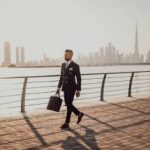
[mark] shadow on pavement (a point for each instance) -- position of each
(34, 130)
(88, 139)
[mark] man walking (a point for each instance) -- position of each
(70, 82)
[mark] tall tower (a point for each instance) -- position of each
(22, 56)
(7, 54)
(136, 43)
(17, 56)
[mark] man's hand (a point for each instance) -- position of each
(77, 93)
(58, 91)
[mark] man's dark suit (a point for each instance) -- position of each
(70, 80)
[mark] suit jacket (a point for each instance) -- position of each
(70, 78)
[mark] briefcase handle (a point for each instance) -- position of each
(57, 95)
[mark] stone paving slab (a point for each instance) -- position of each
(113, 126)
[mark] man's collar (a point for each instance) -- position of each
(68, 62)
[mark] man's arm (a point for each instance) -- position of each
(78, 76)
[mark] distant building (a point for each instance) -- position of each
(136, 53)
(17, 56)
(148, 57)
(20, 56)
(137, 58)
(7, 54)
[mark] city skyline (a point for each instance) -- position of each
(49, 27)
(107, 55)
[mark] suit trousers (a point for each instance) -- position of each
(68, 97)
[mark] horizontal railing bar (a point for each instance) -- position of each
(49, 86)
(42, 81)
(142, 75)
(86, 98)
(21, 77)
(41, 76)
(142, 79)
(27, 105)
(6, 108)
(37, 93)
(90, 88)
(14, 83)
(33, 93)
(115, 90)
(12, 107)
(115, 94)
(116, 85)
(49, 92)
(32, 99)
(142, 83)
(140, 91)
(89, 83)
(116, 72)
(141, 87)
(35, 104)
(75, 100)
(58, 80)
(119, 77)
(92, 78)
(61, 96)
(37, 87)
(117, 81)
(10, 95)
(90, 93)
(9, 102)
(10, 89)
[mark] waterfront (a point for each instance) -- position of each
(39, 89)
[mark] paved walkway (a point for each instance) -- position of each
(114, 126)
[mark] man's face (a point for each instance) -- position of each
(68, 56)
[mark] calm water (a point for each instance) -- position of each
(39, 89)
(4, 72)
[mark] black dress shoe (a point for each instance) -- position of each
(80, 116)
(65, 126)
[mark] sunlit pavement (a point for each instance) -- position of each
(121, 126)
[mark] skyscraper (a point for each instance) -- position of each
(22, 56)
(7, 54)
(17, 56)
(136, 47)
(136, 41)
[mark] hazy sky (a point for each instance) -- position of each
(51, 26)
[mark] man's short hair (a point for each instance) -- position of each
(69, 50)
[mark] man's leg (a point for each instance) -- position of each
(68, 115)
(69, 96)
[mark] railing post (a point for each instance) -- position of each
(23, 94)
(102, 87)
(130, 84)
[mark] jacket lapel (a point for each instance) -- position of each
(66, 69)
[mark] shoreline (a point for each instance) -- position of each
(96, 65)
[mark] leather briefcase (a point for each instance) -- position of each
(54, 103)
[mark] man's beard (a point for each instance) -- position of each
(67, 59)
